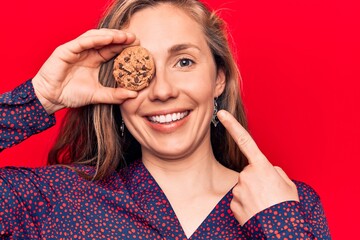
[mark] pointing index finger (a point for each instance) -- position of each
(242, 138)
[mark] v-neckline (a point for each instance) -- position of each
(161, 203)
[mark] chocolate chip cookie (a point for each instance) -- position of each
(134, 68)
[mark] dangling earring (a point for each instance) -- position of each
(214, 119)
(122, 128)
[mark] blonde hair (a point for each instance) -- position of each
(91, 135)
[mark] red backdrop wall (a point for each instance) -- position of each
(300, 67)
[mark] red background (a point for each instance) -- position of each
(300, 66)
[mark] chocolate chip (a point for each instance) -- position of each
(128, 71)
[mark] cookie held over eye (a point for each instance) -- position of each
(134, 68)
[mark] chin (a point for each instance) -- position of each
(172, 152)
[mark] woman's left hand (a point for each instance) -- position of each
(260, 184)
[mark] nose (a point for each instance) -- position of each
(162, 86)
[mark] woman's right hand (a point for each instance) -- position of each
(69, 77)
(260, 184)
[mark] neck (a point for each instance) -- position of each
(198, 172)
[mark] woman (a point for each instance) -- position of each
(153, 164)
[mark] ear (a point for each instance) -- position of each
(220, 83)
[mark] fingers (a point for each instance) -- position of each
(281, 172)
(242, 138)
(283, 175)
(109, 95)
(97, 38)
(106, 53)
(107, 42)
(111, 50)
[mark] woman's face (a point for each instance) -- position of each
(171, 118)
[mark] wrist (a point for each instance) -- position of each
(48, 105)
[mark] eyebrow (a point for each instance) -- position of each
(179, 47)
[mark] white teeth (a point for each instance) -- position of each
(162, 118)
(168, 117)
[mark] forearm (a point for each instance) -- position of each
(21, 115)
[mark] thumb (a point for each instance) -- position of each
(109, 95)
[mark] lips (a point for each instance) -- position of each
(168, 118)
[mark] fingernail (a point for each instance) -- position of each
(129, 34)
(221, 113)
(133, 94)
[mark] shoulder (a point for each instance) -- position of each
(56, 177)
(47, 172)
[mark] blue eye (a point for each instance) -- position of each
(185, 62)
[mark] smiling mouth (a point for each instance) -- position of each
(168, 118)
